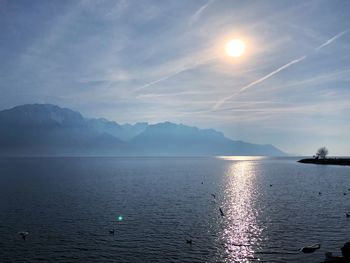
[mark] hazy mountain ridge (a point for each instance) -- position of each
(39, 114)
(45, 129)
(123, 132)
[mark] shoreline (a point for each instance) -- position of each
(327, 161)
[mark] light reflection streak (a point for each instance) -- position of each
(241, 234)
(241, 158)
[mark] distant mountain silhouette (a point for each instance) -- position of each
(45, 129)
(124, 132)
(167, 137)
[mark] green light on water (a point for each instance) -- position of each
(120, 218)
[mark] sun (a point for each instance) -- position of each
(235, 48)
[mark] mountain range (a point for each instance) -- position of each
(45, 129)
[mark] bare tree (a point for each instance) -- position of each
(321, 153)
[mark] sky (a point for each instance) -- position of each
(134, 61)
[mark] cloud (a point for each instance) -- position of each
(328, 77)
(117, 9)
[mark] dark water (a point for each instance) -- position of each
(69, 205)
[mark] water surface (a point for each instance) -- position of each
(69, 205)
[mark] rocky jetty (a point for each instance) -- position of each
(328, 161)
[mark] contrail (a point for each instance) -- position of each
(164, 78)
(193, 19)
(329, 41)
(183, 69)
(217, 105)
(198, 13)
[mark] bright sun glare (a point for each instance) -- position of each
(235, 48)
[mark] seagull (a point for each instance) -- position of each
(213, 195)
(23, 234)
(189, 241)
(222, 213)
(310, 249)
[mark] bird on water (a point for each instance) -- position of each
(23, 234)
(310, 249)
(189, 241)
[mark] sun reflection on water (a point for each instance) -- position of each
(242, 158)
(242, 234)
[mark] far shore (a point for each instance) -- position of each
(327, 161)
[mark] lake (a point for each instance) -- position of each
(69, 205)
